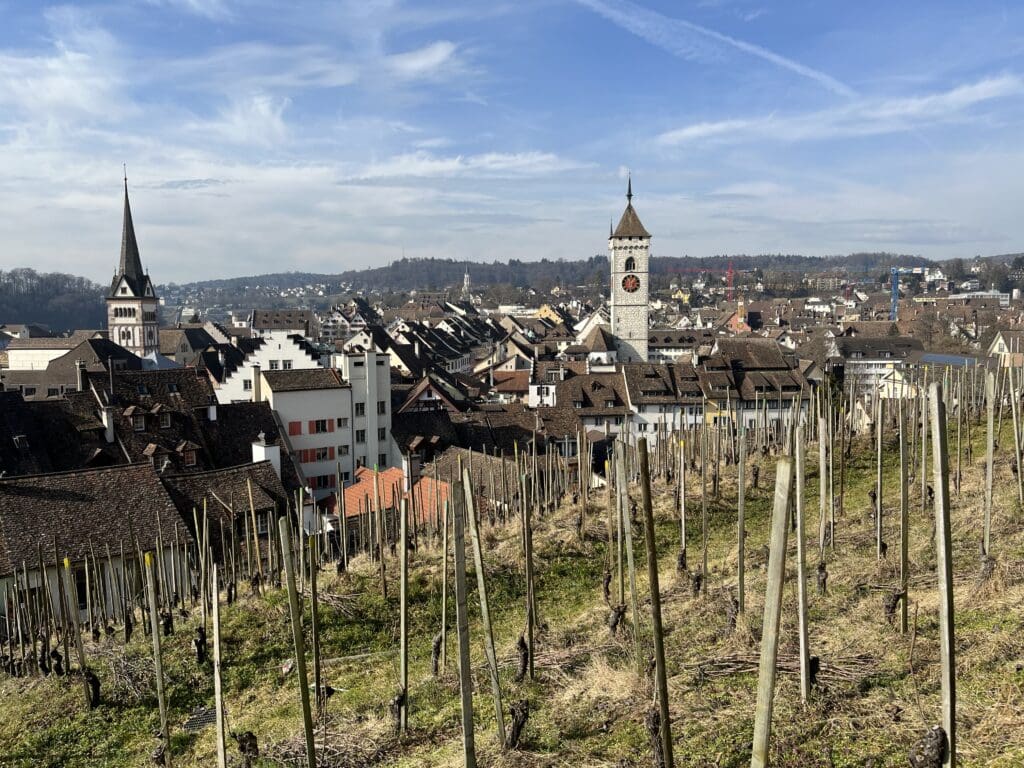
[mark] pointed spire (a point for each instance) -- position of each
(629, 224)
(629, 188)
(130, 266)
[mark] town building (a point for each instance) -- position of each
(629, 248)
(132, 303)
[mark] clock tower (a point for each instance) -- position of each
(629, 247)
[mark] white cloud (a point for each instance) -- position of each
(211, 9)
(424, 164)
(872, 117)
(255, 120)
(689, 41)
(423, 62)
(81, 76)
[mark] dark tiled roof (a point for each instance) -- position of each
(629, 224)
(283, 319)
(130, 265)
(104, 507)
(301, 379)
(226, 489)
(55, 342)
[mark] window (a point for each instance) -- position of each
(319, 426)
(286, 365)
(172, 387)
(190, 457)
(382, 459)
(360, 409)
(275, 364)
(361, 462)
(52, 392)
(165, 421)
(360, 435)
(321, 454)
(630, 264)
(345, 476)
(382, 434)
(642, 427)
(123, 290)
(247, 385)
(577, 403)
(294, 428)
(28, 391)
(382, 407)
(343, 422)
(343, 450)
(358, 363)
(139, 422)
(609, 403)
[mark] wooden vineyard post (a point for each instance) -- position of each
(990, 398)
(682, 503)
(741, 525)
(444, 578)
(772, 613)
(704, 511)
(485, 613)
(627, 528)
(531, 617)
(824, 505)
(75, 628)
(944, 562)
(284, 532)
(314, 616)
(154, 624)
(801, 569)
(462, 626)
(222, 759)
(403, 621)
(878, 477)
(904, 519)
(652, 575)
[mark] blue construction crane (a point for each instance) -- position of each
(894, 284)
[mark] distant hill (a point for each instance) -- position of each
(437, 274)
(60, 301)
(64, 302)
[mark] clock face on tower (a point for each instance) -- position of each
(630, 283)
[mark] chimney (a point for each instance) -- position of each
(411, 465)
(257, 383)
(107, 416)
(416, 349)
(80, 375)
(234, 341)
(262, 451)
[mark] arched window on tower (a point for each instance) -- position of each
(630, 264)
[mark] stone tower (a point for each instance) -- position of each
(132, 302)
(629, 246)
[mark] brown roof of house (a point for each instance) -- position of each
(104, 507)
(301, 379)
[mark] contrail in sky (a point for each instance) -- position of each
(690, 41)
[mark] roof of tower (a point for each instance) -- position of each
(130, 266)
(629, 224)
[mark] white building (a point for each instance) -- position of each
(336, 419)
(275, 351)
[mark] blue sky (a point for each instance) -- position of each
(324, 136)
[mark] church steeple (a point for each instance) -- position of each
(629, 224)
(130, 266)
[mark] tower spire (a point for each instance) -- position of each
(629, 188)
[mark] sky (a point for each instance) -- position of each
(266, 136)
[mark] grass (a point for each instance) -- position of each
(587, 703)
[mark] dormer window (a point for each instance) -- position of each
(165, 421)
(139, 422)
(124, 290)
(609, 403)
(189, 457)
(577, 403)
